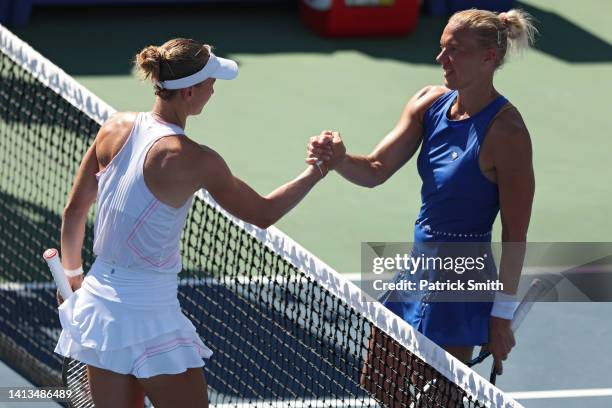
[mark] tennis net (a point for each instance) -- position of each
(285, 328)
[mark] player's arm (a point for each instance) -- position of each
(82, 196)
(512, 160)
(393, 151)
(212, 173)
(85, 188)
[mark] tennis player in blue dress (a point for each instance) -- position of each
(475, 161)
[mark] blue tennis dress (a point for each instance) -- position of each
(459, 204)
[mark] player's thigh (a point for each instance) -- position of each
(113, 390)
(462, 353)
(185, 390)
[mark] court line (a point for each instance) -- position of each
(302, 404)
(577, 393)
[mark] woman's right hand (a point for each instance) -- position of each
(75, 283)
(327, 147)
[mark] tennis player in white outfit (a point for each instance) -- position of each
(125, 321)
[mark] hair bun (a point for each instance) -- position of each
(503, 17)
(520, 28)
(148, 61)
(176, 58)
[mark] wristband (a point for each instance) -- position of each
(71, 273)
(504, 306)
(318, 164)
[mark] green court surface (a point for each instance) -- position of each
(293, 84)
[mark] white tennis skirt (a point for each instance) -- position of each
(128, 337)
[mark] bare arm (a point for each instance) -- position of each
(82, 196)
(233, 194)
(392, 152)
(512, 160)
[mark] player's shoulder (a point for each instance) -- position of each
(424, 98)
(119, 123)
(509, 122)
(196, 161)
(191, 151)
(508, 131)
(120, 119)
(432, 91)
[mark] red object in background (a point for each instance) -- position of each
(339, 19)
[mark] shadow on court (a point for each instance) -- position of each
(563, 39)
(260, 351)
(29, 322)
(114, 35)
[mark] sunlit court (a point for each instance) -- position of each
(232, 177)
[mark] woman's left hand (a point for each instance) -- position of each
(501, 341)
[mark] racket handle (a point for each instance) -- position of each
(493, 376)
(481, 357)
(57, 270)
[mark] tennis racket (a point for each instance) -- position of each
(74, 373)
(536, 290)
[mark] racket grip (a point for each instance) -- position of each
(477, 360)
(493, 376)
(57, 270)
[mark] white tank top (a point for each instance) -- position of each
(133, 229)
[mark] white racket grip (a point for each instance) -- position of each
(57, 270)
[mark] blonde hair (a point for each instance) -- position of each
(510, 32)
(174, 59)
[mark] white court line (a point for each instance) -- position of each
(301, 404)
(579, 393)
(18, 287)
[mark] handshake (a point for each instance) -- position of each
(326, 150)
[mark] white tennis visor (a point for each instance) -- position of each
(216, 67)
